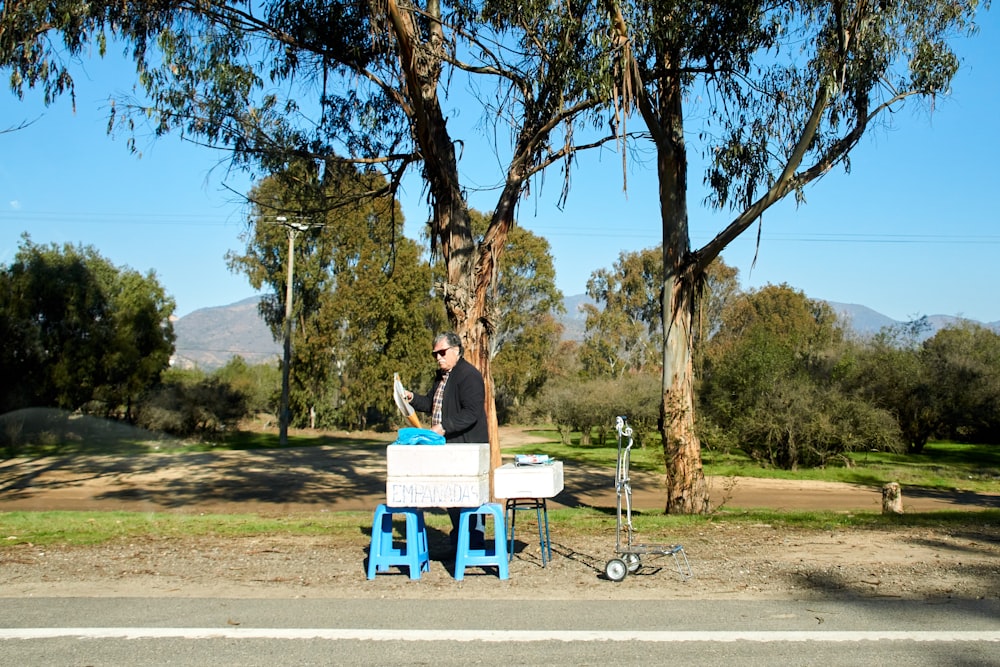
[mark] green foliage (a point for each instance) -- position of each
(38, 58)
(361, 299)
(770, 390)
(593, 405)
(946, 387)
(259, 384)
(526, 304)
(889, 372)
(719, 289)
(189, 404)
(624, 330)
(963, 364)
(79, 332)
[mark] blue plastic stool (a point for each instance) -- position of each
(495, 556)
(515, 505)
(383, 554)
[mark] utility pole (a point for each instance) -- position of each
(293, 229)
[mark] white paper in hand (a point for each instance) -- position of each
(398, 395)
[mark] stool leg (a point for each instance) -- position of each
(496, 556)
(512, 512)
(548, 540)
(412, 554)
(499, 544)
(541, 539)
(423, 549)
(376, 551)
(462, 547)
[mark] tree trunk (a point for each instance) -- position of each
(470, 272)
(687, 492)
(464, 287)
(892, 499)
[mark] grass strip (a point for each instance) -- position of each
(92, 528)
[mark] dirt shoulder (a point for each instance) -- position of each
(728, 560)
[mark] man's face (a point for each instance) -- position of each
(445, 355)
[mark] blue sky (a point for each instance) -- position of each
(913, 230)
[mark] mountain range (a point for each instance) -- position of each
(210, 337)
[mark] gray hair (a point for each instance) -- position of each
(452, 339)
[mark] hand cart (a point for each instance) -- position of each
(630, 554)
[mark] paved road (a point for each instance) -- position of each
(176, 631)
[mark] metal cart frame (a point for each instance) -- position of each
(630, 554)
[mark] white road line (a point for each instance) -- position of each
(413, 635)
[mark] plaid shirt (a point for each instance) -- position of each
(439, 401)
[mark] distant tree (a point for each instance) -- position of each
(79, 331)
(524, 306)
(719, 291)
(809, 328)
(361, 297)
(592, 405)
(963, 363)
(890, 372)
(770, 387)
(190, 403)
(623, 333)
(260, 384)
(384, 319)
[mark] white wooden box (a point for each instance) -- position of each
(433, 460)
(438, 490)
(533, 481)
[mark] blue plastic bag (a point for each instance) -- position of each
(418, 436)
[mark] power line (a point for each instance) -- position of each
(157, 219)
(598, 232)
(576, 231)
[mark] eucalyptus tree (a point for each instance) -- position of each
(376, 83)
(773, 95)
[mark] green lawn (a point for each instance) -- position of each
(89, 528)
(942, 465)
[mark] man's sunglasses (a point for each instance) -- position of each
(440, 353)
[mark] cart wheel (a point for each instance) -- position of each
(633, 562)
(616, 569)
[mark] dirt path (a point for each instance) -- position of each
(339, 478)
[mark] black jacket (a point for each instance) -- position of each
(463, 412)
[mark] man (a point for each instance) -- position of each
(456, 404)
